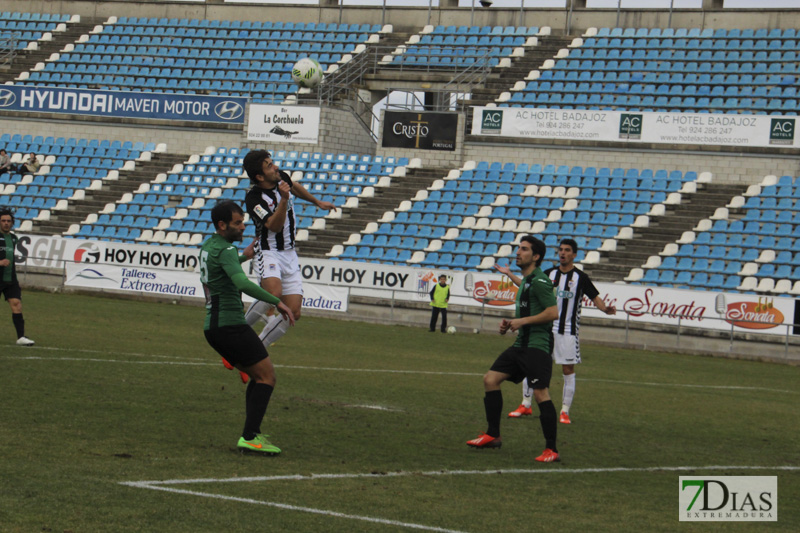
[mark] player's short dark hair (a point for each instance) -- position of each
(537, 246)
(223, 212)
(7, 211)
(252, 163)
(571, 243)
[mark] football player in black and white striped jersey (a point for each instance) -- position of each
(571, 284)
(270, 204)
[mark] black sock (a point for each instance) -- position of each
(257, 398)
(19, 324)
(549, 421)
(493, 403)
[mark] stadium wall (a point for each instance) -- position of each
(413, 18)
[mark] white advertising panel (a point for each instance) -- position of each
(131, 279)
(328, 284)
(54, 252)
(158, 282)
(283, 123)
(637, 127)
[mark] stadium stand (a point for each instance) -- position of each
(71, 169)
(28, 28)
(682, 70)
(752, 245)
(199, 56)
(469, 219)
(448, 47)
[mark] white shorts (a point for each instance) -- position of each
(566, 349)
(283, 265)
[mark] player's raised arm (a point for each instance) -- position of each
(506, 271)
(302, 193)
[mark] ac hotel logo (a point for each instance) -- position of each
(728, 499)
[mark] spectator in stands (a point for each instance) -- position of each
(31, 165)
(571, 284)
(440, 295)
(270, 204)
(9, 286)
(5, 162)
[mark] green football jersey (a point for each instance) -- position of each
(8, 241)
(219, 262)
(535, 294)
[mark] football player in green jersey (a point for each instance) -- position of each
(530, 356)
(226, 329)
(9, 285)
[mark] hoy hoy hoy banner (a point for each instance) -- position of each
(633, 127)
(122, 104)
(420, 131)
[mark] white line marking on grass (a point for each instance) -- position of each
(380, 370)
(401, 473)
(187, 362)
(688, 385)
(288, 507)
(375, 407)
(83, 350)
(94, 360)
(162, 485)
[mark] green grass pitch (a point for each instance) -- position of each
(372, 421)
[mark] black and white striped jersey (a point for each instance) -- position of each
(261, 203)
(570, 288)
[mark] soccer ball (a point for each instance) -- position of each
(307, 72)
(451, 330)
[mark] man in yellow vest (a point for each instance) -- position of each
(440, 294)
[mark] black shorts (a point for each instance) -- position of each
(519, 363)
(240, 345)
(11, 291)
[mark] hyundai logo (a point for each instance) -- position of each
(7, 98)
(229, 110)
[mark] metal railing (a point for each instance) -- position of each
(8, 48)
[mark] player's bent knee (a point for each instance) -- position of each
(541, 395)
(492, 380)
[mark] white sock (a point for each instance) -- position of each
(257, 311)
(274, 330)
(569, 392)
(527, 394)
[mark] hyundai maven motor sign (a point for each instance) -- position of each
(123, 104)
(423, 131)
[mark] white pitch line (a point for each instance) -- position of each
(288, 507)
(84, 350)
(375, 371)
(373, 407)
(95, 360)
(313, 477)
(160, 485)
(688, 385)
